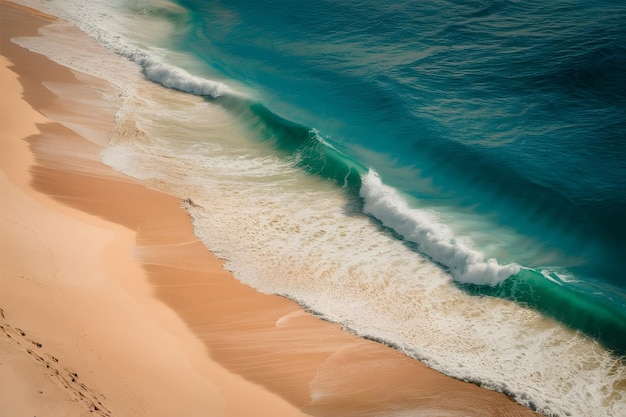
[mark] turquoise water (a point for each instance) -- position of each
(514, 112)
(449, 177)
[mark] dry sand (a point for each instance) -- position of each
(111, 305)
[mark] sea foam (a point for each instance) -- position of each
(177, 78)
(97, 22)
(434, 239)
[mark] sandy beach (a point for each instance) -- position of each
(111, 306)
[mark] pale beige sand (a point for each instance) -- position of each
(110, 279)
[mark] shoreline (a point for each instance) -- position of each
(84, 334)
(229, 339)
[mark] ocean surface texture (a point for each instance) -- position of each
(446, 176)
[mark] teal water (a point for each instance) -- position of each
(448, 177)
(515, 112)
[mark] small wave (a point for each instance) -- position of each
(153, 67)
(167, 75)
(179, 79)
(434, 239)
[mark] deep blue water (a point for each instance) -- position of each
(512, 113)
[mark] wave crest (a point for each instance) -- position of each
(179, 79)
(152, 65)
(434, 239)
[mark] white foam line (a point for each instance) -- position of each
(435, 239)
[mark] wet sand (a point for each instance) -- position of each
(133, 314)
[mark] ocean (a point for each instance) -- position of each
(447, 177)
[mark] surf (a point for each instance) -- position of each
(301, 212)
